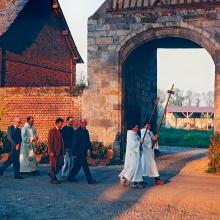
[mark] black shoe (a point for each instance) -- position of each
(55, 182)
(19, 177)
(1, 173)
(157, 151)
(92, 181)
(135, 185)
(26, 173)
(72, 179)
(35, 173)
(143, 183)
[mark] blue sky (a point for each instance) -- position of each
(188, 68)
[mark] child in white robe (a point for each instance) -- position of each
(132, 171)
(149, 166)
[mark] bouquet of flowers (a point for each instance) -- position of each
(40, 148)
(101, 150)
(4, 147)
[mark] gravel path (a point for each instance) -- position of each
(183, 197)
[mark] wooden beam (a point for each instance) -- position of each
(185, 115)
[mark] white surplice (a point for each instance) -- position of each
(27, 156)
(132, 168)
(149, 166)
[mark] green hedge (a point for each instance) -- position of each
(184, 138)
(214, 154)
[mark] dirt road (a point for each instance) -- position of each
(185, 196)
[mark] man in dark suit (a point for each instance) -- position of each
(82, 149)
(68, 134)
(56, 150)
(14, 140)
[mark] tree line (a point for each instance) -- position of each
(187, 98)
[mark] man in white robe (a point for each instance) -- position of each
(149, 166)
(29, 135)
(132, 171)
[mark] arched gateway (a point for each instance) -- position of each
(123, 36)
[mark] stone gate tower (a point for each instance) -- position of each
(123, 36)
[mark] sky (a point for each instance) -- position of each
(77, 14)
(188, 69)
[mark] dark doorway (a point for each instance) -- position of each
(133, 115)
(139, 80)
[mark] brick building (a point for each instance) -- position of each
(36, 47)
(38, 60)
(190, 117)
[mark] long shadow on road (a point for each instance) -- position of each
(34, 198)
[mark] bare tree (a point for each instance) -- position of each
(178, 98)
(197, 99)
(189, 97)
(82, 79)
(162, 95)
(208, 98)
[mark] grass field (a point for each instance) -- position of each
(184, 138)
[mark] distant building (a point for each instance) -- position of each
(187, 117)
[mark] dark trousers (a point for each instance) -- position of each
(55, 167)
(81, 162)
(12, 159)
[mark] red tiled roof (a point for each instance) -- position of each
(194, 109)
(10, 10)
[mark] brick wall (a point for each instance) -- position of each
(45, 104)
(21, 74)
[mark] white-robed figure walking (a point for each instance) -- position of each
(132, 171)
(149, 166)
(29, 135)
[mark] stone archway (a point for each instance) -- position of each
(112, 36)
(195, 34)
(143, 38)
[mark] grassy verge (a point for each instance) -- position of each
(184, 138)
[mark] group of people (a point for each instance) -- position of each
(64, 144)
(139, 158)
(21, 145)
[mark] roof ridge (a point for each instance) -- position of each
(10, 12)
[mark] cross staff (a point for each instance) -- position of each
(170, 92)
(150, 119)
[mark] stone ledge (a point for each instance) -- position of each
(16, 91)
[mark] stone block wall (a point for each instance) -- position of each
(45, 104)
(113, 36)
